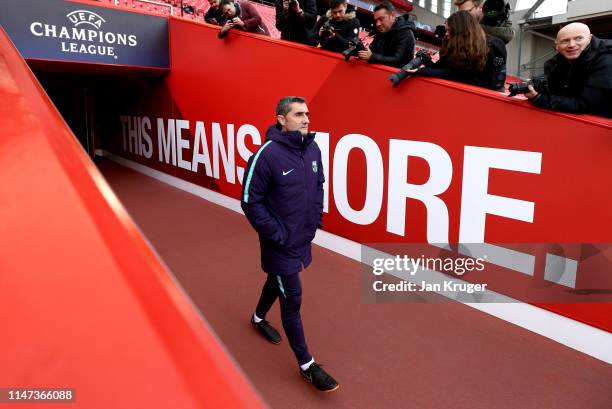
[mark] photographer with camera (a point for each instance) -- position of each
(241, 15)
(468, 55)
(422, 57)
(493, 16)
(214, 14)
(579, 78)
(338, 29)
(393, 44)
(295, 20)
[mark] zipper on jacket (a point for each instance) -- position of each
(304, 175)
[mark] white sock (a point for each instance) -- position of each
(256, 318)
(307, 365)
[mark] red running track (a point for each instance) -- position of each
(432, 356)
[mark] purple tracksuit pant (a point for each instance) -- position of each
(289, 291)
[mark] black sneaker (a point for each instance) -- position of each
(319, 378)
(267, 330)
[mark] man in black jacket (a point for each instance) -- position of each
(338, 28)
(214, 14)
(579, 77)
(282, 197)
(394, 43)
(295, 19)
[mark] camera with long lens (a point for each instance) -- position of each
(353, 50)
(440, 31)
(420, 58)
(495, 12)
(327, 30)
(539, 84)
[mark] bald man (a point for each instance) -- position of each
(580, 76)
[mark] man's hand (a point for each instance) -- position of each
(226, 27)
(295, 6)
(331, 35)
(365, 55)
(238, 22)
(532, 93)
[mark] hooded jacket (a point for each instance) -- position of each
(396, 46)
(583, 85)
(347, 31)
(282, 197)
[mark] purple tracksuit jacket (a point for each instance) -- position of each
(282, 197)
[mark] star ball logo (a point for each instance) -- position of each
(86, 36)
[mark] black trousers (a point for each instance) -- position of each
(288, 289)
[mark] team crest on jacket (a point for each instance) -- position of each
(315, 168)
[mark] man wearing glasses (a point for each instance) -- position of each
(579, 77)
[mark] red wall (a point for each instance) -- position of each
(239, 80)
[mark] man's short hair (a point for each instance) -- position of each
(224, 2)
(385, 5)
(284, 105)
(335, 3)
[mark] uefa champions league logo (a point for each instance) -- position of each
(86, 36)
(80, 17)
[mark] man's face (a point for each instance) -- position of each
(339, 12)
(297, 119)
(473, 9)
(229, 11)
(383, 20)
(572, 40)
(214, 4)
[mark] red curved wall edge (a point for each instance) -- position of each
(84, 301)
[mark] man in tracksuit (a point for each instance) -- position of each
(282, 197)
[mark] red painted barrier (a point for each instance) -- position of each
(441, 162)
(85, 303)
(468, 146)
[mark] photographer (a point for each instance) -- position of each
(393, 45)
(242, 16)
(579, 77)
(295, 19)
(492, 15)
(214, 14)
(468, 55)
(337, 30)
